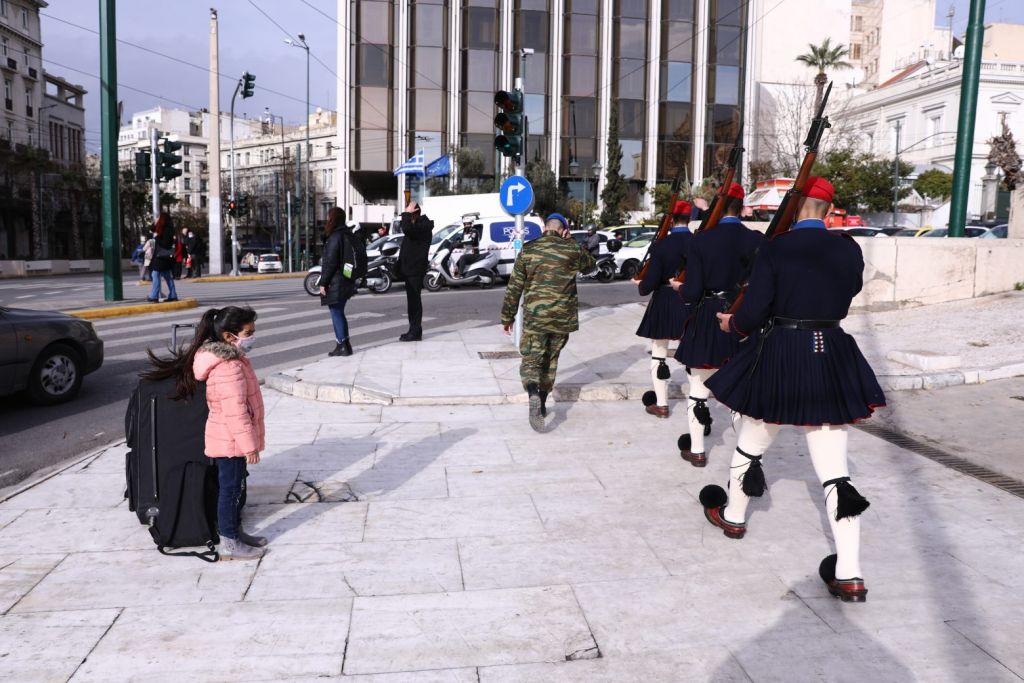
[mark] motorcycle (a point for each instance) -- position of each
(604, 271)
(482, 272)
(380, 273)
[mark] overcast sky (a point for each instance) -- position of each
(248, 41)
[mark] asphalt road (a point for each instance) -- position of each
(292, 328)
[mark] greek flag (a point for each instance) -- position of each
(413, 165)
(439, 166)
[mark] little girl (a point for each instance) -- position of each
(234, 429)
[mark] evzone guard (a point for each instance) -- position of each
(799, 368)
(666, 314)
(715, 267)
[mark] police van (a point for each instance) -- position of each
(494, 233)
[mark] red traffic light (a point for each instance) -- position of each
(510, 101)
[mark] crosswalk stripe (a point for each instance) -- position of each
(153, 320)
(164, 326)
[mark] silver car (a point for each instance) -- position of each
(46, 353)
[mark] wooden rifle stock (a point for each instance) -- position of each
(784, 218)
(717, 207)
(666, 223)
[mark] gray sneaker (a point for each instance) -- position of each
(234, 549)
(254, 541)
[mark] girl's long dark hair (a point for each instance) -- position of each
(212, 326)
(335, 219)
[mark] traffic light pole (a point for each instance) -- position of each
(154, 170)
(110, 208)
(231, 196)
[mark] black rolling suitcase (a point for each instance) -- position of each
(172, 485)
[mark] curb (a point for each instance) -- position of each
(240, 278)
(353, 394)
(32, 482)
(133, 309)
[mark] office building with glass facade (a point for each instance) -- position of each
(421, 74)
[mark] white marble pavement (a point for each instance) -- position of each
(450, 543)
(963, 342)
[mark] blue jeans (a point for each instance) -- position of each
(231, 476)
(339, 321)
(154, 291)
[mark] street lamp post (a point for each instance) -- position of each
(305, 179)
(272, 118)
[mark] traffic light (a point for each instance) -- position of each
(248, 85)
(143, 169)
(509, 122)
(168, 160)
(232, 208)
(243, 205)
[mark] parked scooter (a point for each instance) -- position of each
(380, 273)
(482, 272)
(605, 270)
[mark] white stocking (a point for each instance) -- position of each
(827, 446)
(755, 438)
(698, 376)
(659, 352)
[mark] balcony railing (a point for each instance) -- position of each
(11, 63)
(33, 74)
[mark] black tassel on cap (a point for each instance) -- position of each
(752, 480)
(649, 398)
(850, 502)
(663, 371)
(701, 411)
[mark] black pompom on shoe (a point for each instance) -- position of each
(649, 398)
(847, 590)
(713, 496)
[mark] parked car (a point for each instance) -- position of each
(997, 232)
(269, 263)
(910, 232)
(889, 230)
(625, 233)
(46, 353)
(860, 231)
(581, 238)
(631, 255)
(969, 231)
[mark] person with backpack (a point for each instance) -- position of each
(344, 263)
(235, 431)
(163, 259)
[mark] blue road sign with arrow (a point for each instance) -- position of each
(516, 195)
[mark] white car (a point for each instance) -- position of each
(629, 258)
(495, 234)
(269, 263)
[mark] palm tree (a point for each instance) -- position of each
(822, 57)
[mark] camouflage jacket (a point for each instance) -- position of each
(545, 276)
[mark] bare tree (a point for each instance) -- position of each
(784, 114)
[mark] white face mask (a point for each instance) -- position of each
(246, 343)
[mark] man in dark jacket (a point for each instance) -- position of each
(412, 261)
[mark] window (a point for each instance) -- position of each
(3, 46)
(188, 166)
(24, 18)
(856, 23)
(855, 50)
(28, 97)
(327, 178)
(186, 151)
(188, 184)
(246, 158)
(8, 94)
(10, 129)
(31, 136)
(3, 8)
(26, 56)
(202, 185)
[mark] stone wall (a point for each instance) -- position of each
(912, 271)
(10, 269)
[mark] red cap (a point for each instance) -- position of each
(736, 191)
(682, 206)
(819, 188)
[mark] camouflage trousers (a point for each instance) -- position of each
(540, 358)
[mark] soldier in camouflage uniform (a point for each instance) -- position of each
(545, 276)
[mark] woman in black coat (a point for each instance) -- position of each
(335, 287)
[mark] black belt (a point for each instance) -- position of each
(794, 324)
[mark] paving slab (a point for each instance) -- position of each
(66, 638)
(19, 574)
(679, 664)
(473, 628)
(452, 518)
(245, 641)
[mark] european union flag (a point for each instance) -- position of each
(439, 166)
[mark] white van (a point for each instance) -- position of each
(495, 233)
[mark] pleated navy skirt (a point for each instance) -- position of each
(665, 316)
(703, 344)
(800, 377)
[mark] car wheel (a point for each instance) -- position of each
(385, 284)
(56, 375)
(432, 281)
(312, 284)
(630, 269)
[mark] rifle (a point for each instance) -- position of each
(717, 207)
(666, 224)
(784, 218)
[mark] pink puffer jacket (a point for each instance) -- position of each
(235, 426)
